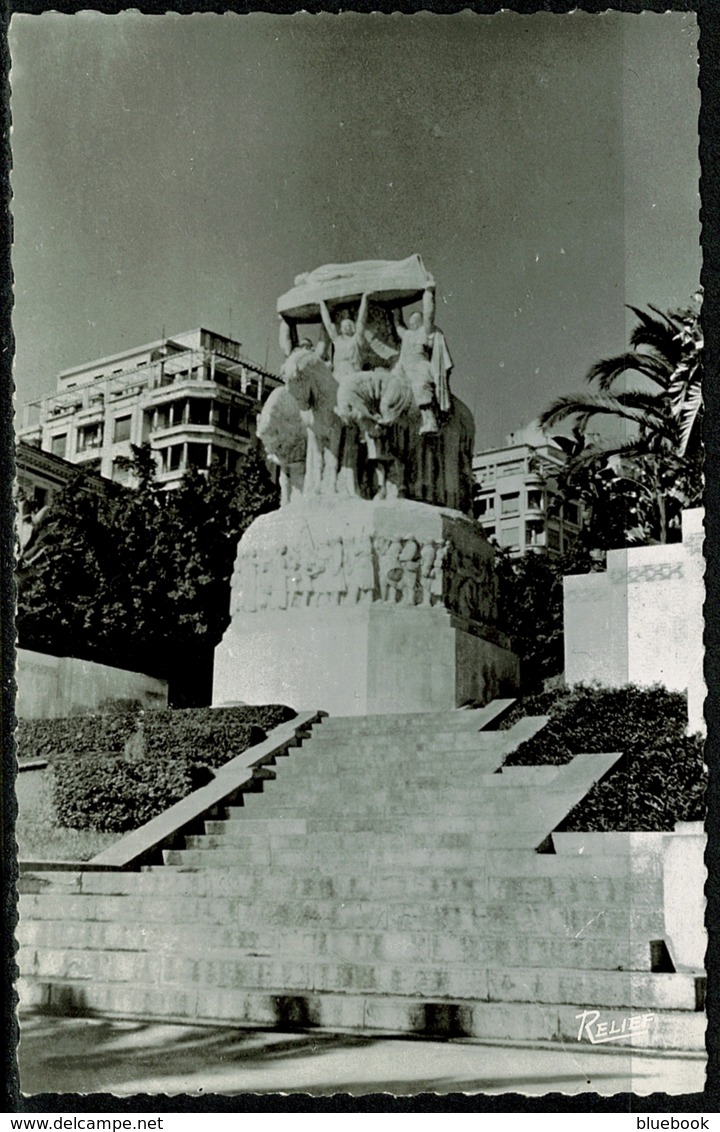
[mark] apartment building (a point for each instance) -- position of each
(193, 397)
(514, 501)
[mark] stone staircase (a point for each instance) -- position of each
(385, 879)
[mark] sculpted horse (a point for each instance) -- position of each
(331, 460)
(283, 434)
(437, 469)
(319, 455)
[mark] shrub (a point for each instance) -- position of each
(594, 719)
(115, 793)
(659, 781)
(209, 736)
(652, 790)
(78, 735)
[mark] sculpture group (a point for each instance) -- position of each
(364, 569)
(366, 409)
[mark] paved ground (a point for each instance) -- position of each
(92, 1056)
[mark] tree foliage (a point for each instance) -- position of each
(530, 604)
(634, 486)
(138, 578)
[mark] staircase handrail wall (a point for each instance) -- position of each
(144, 845)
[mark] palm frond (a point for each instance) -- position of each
(634, 407)
(606, 372)
(661, 334)
(688, 411)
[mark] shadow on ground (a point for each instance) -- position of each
(67, 1055)
(97, 1055)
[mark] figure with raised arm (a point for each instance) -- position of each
(347, 363)
(416, 342)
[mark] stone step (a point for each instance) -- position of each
(369, 822)
(386, 963)
(447, 743)
(477, 718)
(232, 835)
(375, 854)
(95, 918)
(624, 889)
(357, 763)
(392, 1014)
(333, 798)
(423, 724)
(505, 861)
(457, 966)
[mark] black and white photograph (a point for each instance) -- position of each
(360, 560)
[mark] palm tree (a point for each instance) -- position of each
(653, 392)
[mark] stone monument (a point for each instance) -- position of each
(372, 589)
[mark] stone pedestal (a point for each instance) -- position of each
(360, 607)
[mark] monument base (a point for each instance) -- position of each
(363, 661)
(363, 608)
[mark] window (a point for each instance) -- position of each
(198, 412)
(571, 513)
(58, 444)
(510, 536)
(510, 504)
(535, 500)
(165, 417)
(223, 456)
(553, 538)
(485, 506)
(510, 468)
(534, 533)
(122, 429)
(197, 455)
(173, 458)
(89, 436)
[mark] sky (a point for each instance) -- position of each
(178, 171)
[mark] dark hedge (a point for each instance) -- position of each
(171, 753)
(659, 781)
(77, 735)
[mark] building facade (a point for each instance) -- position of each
(193, 397)
(513, 500)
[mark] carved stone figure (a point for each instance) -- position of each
(264, 584)
(347, 357)
(279, 590)
(361, 580)
(311, 384)
(382, 423)
(414, 361)
(245, 582)
(284, 437)
(314, 569)
(409, 559)
(294, 576)
(427, 561)
(389, 568)
(437, 577)
(334, 582)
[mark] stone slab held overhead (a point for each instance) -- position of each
(402, 280)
